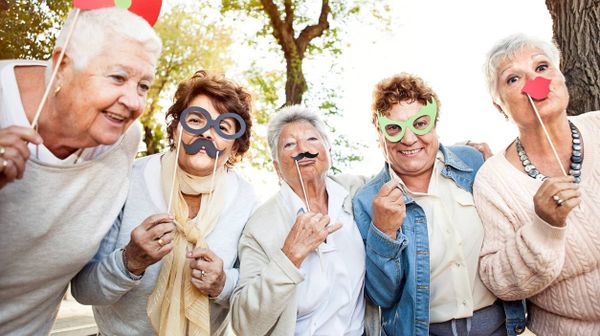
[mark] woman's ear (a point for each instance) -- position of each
(499, 108)
(64, 63)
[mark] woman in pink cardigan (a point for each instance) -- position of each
(541, 227)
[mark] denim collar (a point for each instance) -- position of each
(452, 165)
(452, 160)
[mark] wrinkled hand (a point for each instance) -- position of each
(547, 208)
(14, 151)
(482, 147)
(149, 243)
(207, 271)
(389, 209)
(308, 232)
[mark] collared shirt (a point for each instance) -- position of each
(398, 272)
(13, 113)
(331, 299)
(456, 289)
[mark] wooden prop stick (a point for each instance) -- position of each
(302, 184)
(393, 174)
(36, 118)
(175, 171)
(537, 114)
(212, 180)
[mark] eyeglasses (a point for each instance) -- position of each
(196, 120)
(420, 124)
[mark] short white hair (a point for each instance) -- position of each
(96, 28)
(291, 114)
(506, 49)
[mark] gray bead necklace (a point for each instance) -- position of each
(576, 157)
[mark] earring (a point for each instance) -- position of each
(57, 90)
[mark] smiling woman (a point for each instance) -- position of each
(62, 186)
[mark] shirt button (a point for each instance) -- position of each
(464, 302)
(458, 264)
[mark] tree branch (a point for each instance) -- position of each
(284, 36)
(312, 31)
(289, 14)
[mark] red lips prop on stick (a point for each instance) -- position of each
(148, 9)
(538, 89)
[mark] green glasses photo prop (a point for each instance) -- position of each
(420, 124)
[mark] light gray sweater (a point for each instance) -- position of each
(51, 224)
(119, 301)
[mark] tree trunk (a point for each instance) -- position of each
(576, 26)
(295, 85)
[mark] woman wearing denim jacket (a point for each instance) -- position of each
(420, 227)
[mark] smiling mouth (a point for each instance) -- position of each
(115, 117)
(410, 152)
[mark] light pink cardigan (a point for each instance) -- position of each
(557, 269)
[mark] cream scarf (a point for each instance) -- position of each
(176, 307)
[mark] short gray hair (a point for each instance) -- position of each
(507, 48)
(291, 114)
(95, 29)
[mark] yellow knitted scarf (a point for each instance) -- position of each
(176, 307)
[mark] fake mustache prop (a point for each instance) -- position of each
(305, 155)
(202, 143)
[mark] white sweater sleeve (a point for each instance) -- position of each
(104, 279)
(520, 256)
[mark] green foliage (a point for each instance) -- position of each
(28, 28)
(322, 95)
(192, 40)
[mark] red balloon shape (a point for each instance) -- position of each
(148, 9)
(538, 88)
(93, 4)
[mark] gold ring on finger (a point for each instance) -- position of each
(2, 150)
(202, 274)
(161, 242)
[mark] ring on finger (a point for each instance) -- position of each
(161, 242)
(202, 274)
(4, 164)
(2, 150)
(559, 201)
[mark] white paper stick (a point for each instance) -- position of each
(302, 184)
(36, 118)
(175, 171)
(537, 114)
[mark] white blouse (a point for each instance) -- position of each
(331, 298)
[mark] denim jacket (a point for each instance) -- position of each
(397, 276)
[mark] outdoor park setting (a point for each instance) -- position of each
(239, 69)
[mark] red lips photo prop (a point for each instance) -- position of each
(538, 88)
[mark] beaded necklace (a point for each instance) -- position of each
(576, 157)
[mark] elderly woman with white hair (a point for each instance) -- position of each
(541, 227)
(62, 187)
(302, 261)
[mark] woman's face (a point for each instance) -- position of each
(413, 155)
(98, 103)
(513, 73)
(201, 164)
(300, 137)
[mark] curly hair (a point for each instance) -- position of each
(225, 95)
(399, 88)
